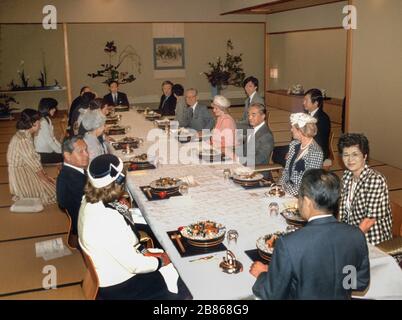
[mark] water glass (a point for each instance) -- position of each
(226, 174)
(273, 209)
(183, 189)
(232, 236)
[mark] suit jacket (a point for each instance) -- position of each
(370, 200)
(310, 263)
(200, 119)
(69, 190)
(261, 151)
(294, 170)
(243, 123)
(168, 107)
(323, 131)
(121, 99)
(74, 105)
(181, 112)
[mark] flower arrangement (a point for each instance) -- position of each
(111, 71)
(5, 108)
(228, 72)
(24, 80)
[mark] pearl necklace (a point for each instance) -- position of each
(306, 146)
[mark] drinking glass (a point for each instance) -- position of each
(273, 209)
(183, 189)
(226, 174)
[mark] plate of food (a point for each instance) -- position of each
(210, 154)
(165, 183)
(266, 244)
(293, 217)
(116, 130)
(152, 115)
(275, 191)
(139, 159)
(126, 141)
(121, 108)
(248, 177)
(205, 233)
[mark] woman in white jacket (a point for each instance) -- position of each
(126, 270)
(46, 144)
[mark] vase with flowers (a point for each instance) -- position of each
(223, 73)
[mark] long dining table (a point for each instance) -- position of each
(212, 197)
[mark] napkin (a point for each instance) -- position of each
(137, 216)
(170, 275)
(243, 171)
(189, 180)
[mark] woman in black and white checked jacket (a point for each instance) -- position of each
(304, 152)
(364, 196)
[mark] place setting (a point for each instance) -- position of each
(247, 178)
(117, 130)
(164, 188)
(141, 162)
(127, 142)
(121, 108)
(201, 237)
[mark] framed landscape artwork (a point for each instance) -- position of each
(168, 53)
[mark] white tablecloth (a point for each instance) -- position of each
(243, 210)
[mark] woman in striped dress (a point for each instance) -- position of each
(25, 172)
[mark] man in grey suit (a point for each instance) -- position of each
(250, 85)
(259, 141)
(326, 259)
(198, 117)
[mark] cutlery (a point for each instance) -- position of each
(177, 238)
(203, 258)
(147, 190)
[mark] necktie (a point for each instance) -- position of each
(248, 102)
(114, 98)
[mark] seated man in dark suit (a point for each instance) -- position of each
(115, 97)
(198, 117)
(72, 178)
(76, 103)
(259, 141)
(313, 104)
(326, 259)
(167, 105)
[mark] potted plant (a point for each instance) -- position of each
(224, 73)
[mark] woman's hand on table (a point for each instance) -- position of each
(366, 224)
(257, 268)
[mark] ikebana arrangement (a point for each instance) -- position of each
(24, 80)
(110, 70)
(226, 72)
(5, 106)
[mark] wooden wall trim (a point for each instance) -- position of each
(67, 66)
(306, 30)
(348, 74)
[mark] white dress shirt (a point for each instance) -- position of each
(105, 236)
(45, 141)
(312, 113)
(321, 216)
(255, 131)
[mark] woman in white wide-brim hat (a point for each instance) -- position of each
(304, 152)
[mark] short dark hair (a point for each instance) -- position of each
(113, 81)
(82, 89)
(167, 82)
(97, 103)
(178, 90)
(87, 97)
(28, 118)
(45, 105)
(323, 188)
(316, 96)
(252, 79)
(354, 139)
(261, 108)
(68, 143)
